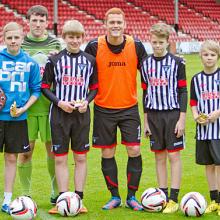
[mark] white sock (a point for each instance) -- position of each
(7, 198)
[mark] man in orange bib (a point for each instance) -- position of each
(118, 57)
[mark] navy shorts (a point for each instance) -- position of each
(106, 122)
(162, 125)
(14, 137)
(208, 152)
(69, 127)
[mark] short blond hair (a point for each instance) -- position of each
(161, 30)
(210, 45)
(114, 11)
(73, 27)
(12, 26)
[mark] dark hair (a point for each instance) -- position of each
(37, 10)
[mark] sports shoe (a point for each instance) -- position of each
(171, 207)
(132, 203)
(5, 208)
(83, 210)
(53, 210)
(114, 202)
(212, 207)
(53, 200)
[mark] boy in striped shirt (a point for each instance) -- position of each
(205, 105)
(165, 102)
(73, 76)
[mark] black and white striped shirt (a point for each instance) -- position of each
(72, 75)
(163, 78)
(205, 94)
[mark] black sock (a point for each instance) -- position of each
(174, 194)
(219, 197)
(80, 194)
(110, 173)
(214, 195)
(165, 190)
(134, 170)
(61, 193)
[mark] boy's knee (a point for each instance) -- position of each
(80, 159)
(134, 151)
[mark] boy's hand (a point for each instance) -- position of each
(83, 107)
(147, 131)
(66, 106)
(19, 111)
(180, 125)
(16, 112)
(13, 109)
(180, 128)
(202, 119)
(213, 116)
(77, 103)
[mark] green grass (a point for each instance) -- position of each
(96, 193)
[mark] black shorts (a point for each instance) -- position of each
(14, 137)
(208, 152)
(162, 125)
(66, 127)
(105, 126)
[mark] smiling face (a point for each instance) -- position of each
(73, 41)
(38, 25)
(115, 25)
(159, 45)
(13, 40)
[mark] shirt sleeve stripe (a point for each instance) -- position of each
(93, 87)
(45, 86)
(193, 102)
(144, 86)
(182, 83)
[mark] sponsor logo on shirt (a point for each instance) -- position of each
(210, 95)
(14, 72)
(158, 81)
(118, 63)
(72, 80)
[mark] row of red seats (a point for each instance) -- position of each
(138, 23)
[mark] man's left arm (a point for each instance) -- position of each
(140, 51)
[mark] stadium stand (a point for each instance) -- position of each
(196, 18)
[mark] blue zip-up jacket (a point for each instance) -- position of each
(19, 79)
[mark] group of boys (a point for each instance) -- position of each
(106, 72)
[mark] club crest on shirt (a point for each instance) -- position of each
(82, 66)
(217, 81)
(166, 68)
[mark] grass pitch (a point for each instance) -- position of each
(96, 194)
